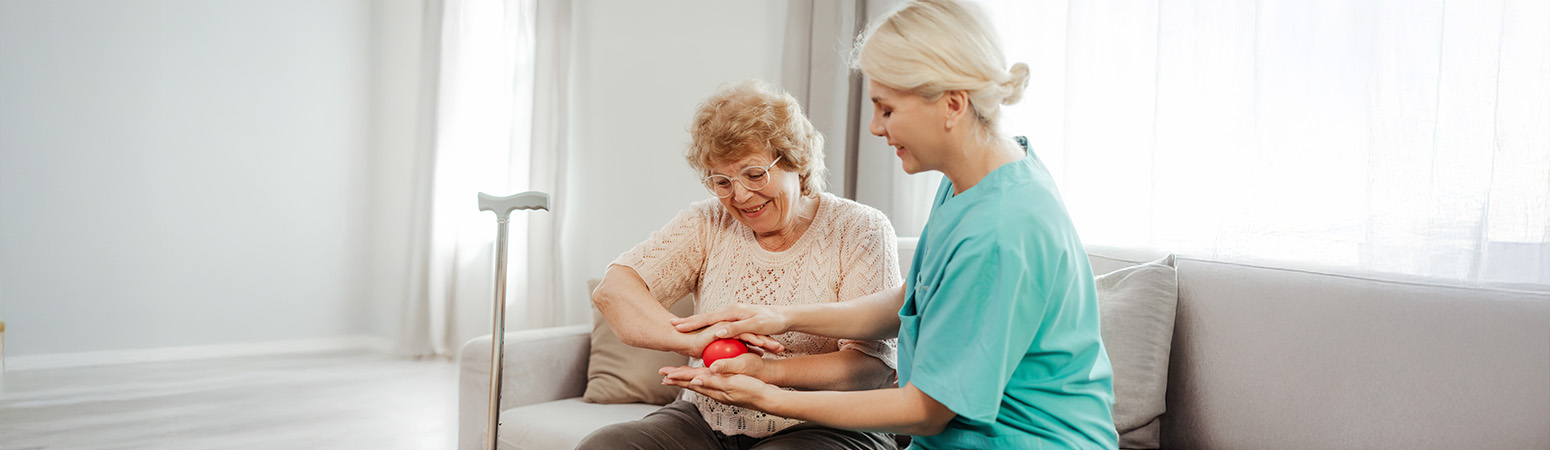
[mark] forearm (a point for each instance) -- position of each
(872, 317)
(844, 370)
(904, 410)
(635, 315)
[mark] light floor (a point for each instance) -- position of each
(320, 401)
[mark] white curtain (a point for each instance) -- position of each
(818, 41)
(485, 142)
(1402, 138)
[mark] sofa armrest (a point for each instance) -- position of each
(540, 365)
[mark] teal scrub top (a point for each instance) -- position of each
(1000, 319)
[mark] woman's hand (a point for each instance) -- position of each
(745, 364)
(736, 320)
(735, 390)
(702, 338)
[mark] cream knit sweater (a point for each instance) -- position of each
(847, 252)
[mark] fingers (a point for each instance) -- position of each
(737, 390)
(684, 374)
(740, 364)
(716, 383)
(671, 369)
(737, 328)
(762, 342)
(711, 385)
(698, 321)
(713, 394)
(679, 382)
(694, 381)
(687, 324)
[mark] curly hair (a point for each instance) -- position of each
(753, 117)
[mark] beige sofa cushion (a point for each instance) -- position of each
(619, 373)
(1137, 306)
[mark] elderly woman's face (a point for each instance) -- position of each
(770, 209)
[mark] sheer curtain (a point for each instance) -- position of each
(819, 37)
(1394, 138)
(484, 142)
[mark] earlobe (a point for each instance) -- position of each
(956, 103)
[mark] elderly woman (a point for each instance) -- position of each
(771, 236)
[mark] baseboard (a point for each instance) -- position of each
(163, 354)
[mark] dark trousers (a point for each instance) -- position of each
(679, 426)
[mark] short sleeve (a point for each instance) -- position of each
(671, 261)
(870, 265)
(977, 328)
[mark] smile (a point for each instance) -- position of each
(756, 209)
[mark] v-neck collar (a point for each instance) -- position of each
(992, 179)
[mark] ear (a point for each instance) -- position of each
(955, 106)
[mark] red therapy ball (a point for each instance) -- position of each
(722, 348)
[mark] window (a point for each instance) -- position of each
(1386, 137)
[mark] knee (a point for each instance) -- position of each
(822, 437)
(616, 436)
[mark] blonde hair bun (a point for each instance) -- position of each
(1016, 84)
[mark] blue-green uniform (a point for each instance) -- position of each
(1000, 319)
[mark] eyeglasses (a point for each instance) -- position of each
(753, 178)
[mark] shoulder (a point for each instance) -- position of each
(708, 211)
(847, 227)
(1026, 193)
(845, 213)
(709, 207)
(852, 224)
(706, 215)
(1019, 219)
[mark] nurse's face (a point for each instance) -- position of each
(914, 127)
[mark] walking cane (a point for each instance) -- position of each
(502, 207)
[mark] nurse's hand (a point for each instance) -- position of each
(694, 342)
(745, 364)
(738, 319)
(735, 390)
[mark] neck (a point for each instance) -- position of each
(781, 239)
(977, 159)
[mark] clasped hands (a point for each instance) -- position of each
(741, 380)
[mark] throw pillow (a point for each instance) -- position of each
(619, 373)
(1136, 305)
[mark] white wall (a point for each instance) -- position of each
(400, 82)
(641, 67)
(184, 172)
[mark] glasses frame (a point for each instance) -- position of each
(739, 179)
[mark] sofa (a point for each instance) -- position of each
(1261, 358)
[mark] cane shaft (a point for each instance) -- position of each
(498, 336)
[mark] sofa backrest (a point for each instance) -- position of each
(1275, 358)
(1272, 358)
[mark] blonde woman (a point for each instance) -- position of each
(771, 236)
(998, 329)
